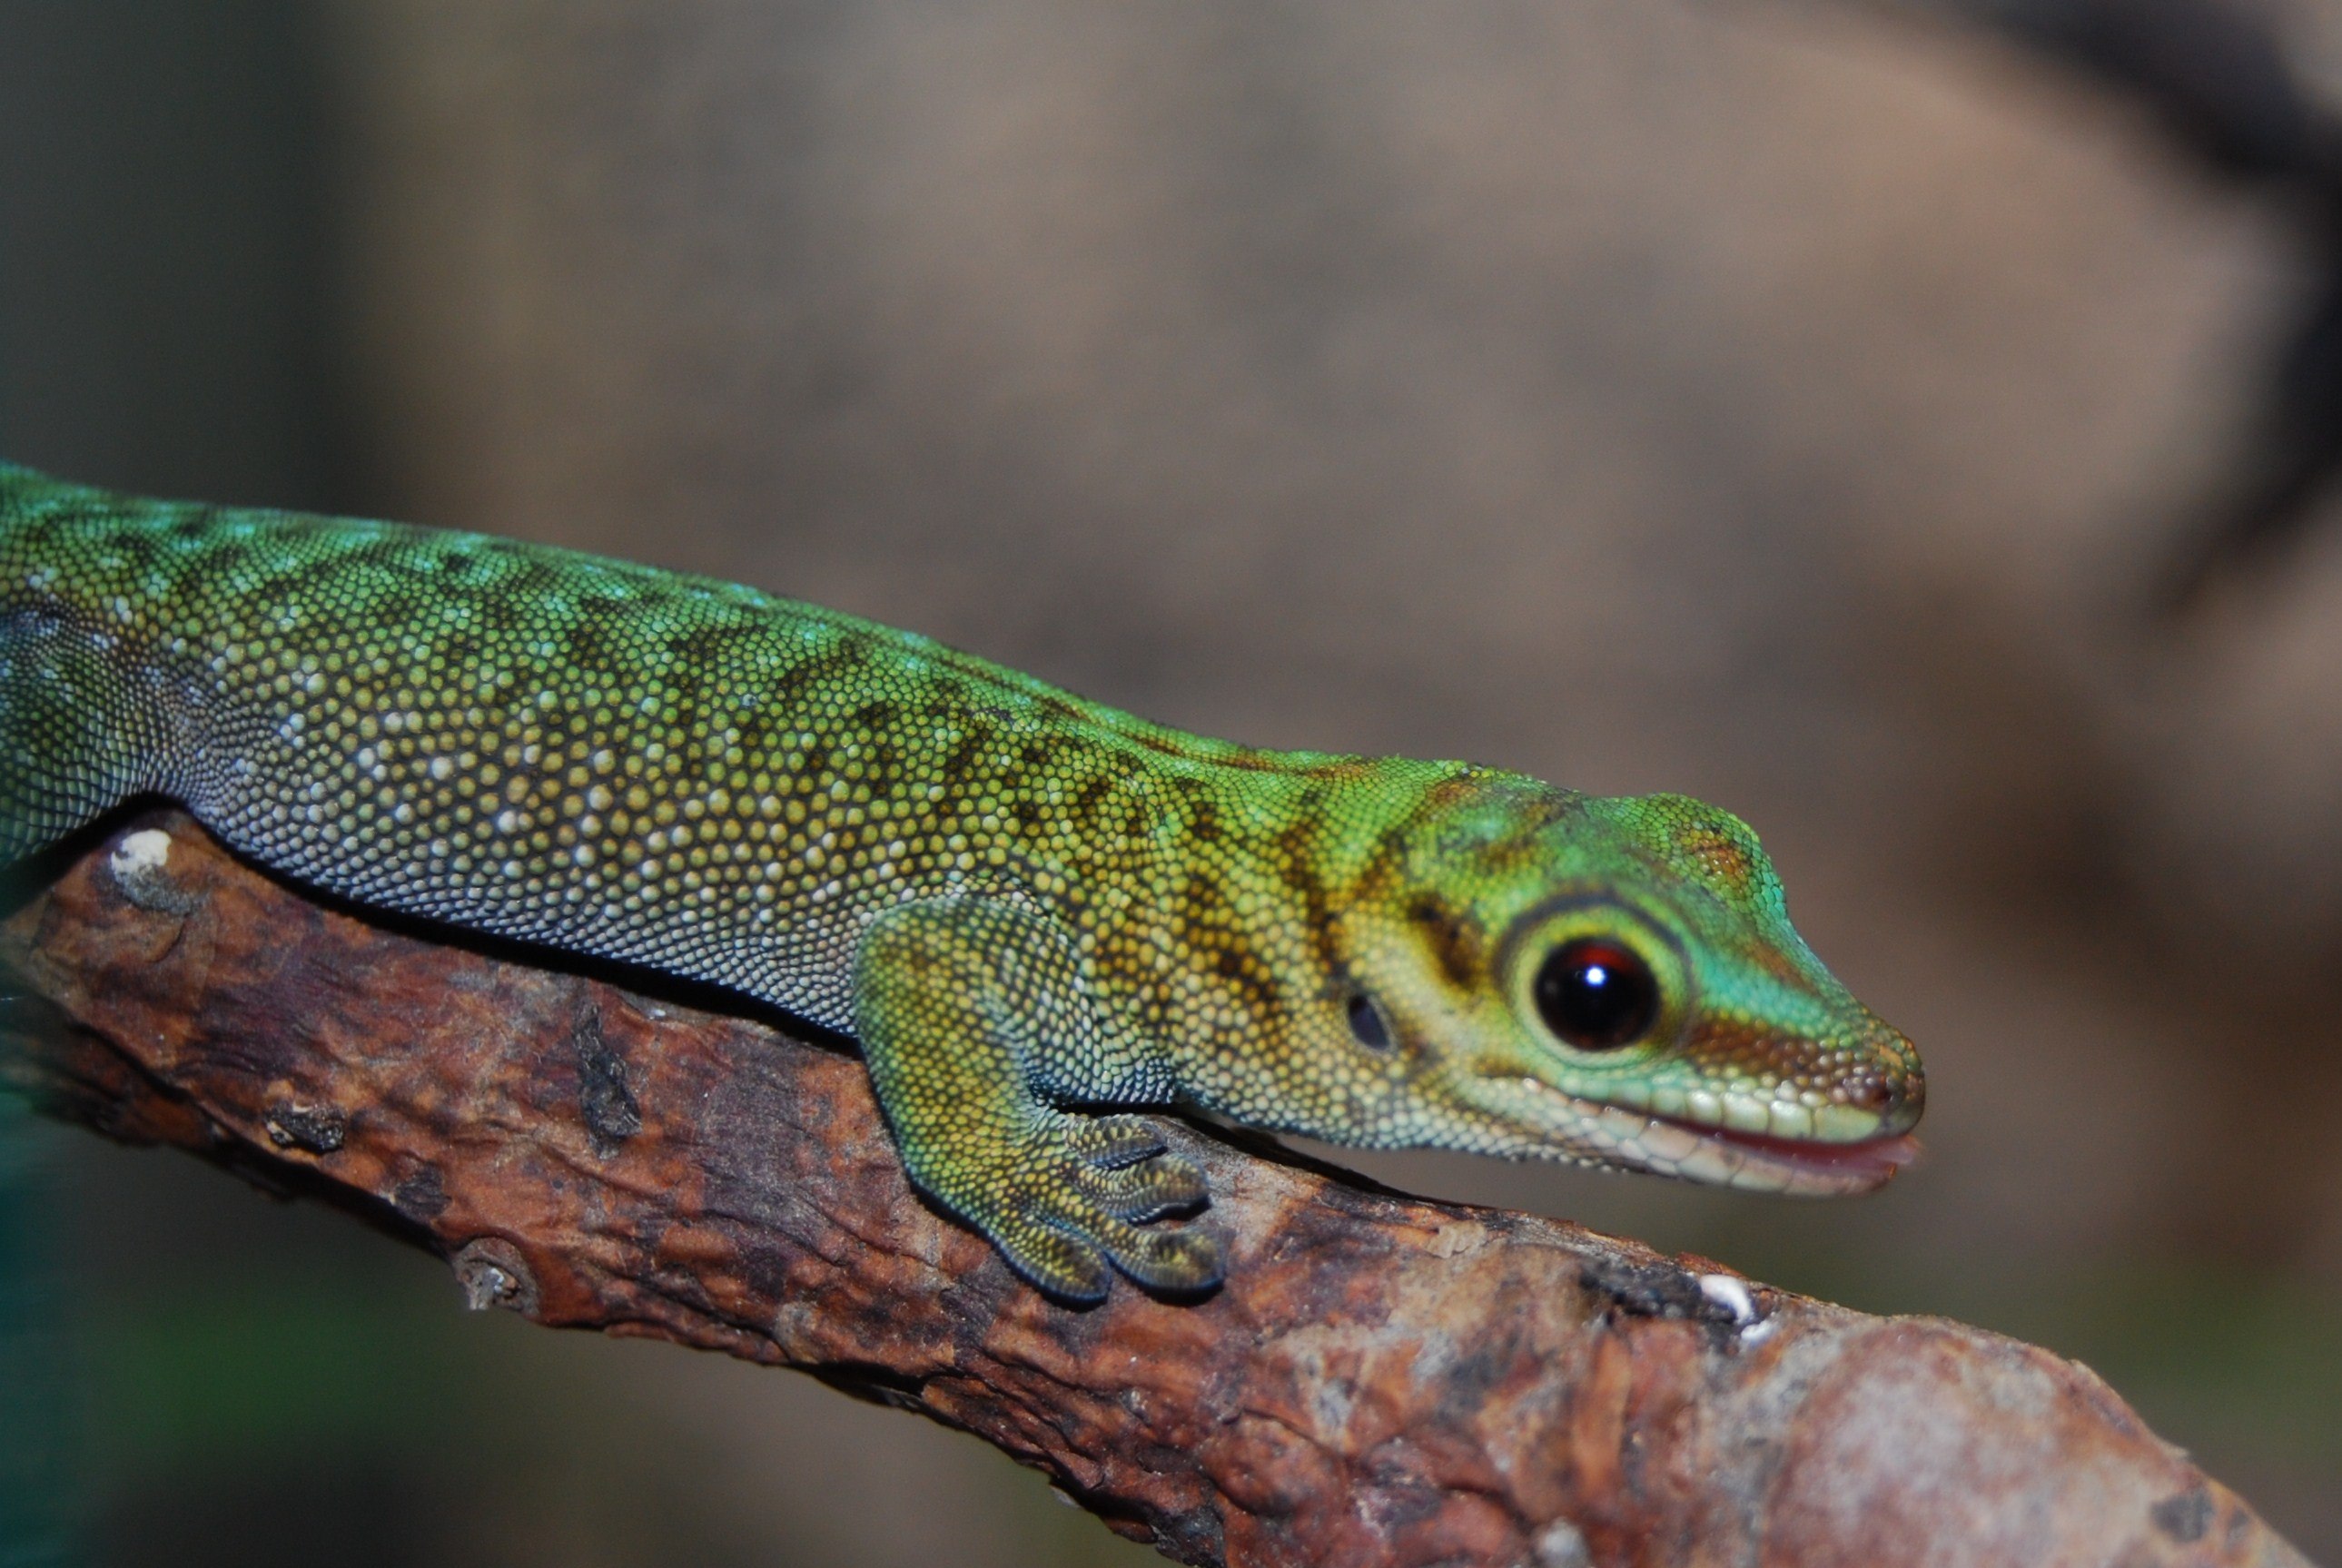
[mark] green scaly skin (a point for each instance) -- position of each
(1028, 908)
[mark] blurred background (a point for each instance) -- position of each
(1807, 405)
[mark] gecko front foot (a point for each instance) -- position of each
(1127, 1167)
(954, 997)
(1079, 1199)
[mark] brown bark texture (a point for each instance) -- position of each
(1381, 1380)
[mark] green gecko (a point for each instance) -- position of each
(1033, 912)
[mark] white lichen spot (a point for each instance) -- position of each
(141, 854)
(1731, 1293)
(1562, 1544)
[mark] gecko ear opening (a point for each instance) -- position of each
(1367, 1024)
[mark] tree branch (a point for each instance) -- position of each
(1382, 1382)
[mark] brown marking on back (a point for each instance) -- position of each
(1293, 856)
(1454, 938)
(830, 664)
(1208, 928)
(1203, 817)
(139, 548)
(1339, 770)
(1724, 859)
(1243, 971)
(964, 754)
(1087, 803)
(193, 523)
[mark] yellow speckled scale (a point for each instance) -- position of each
(1026, 906)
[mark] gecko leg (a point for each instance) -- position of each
(957, 1001)
(82, 730)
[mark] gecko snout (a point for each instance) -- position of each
(1897, 1093)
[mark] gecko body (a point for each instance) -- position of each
(1034, 913)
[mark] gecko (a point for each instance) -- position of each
(1039, 917)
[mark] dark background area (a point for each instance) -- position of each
(1784, 401)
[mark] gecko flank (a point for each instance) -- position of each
(1035, 913)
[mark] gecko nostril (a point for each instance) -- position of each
(1895, 1098)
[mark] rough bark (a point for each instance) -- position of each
(1383, 1381)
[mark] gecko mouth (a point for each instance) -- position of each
(1815, 1169)
(1622, 1137)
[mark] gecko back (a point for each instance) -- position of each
(509, 737)
(527, 741)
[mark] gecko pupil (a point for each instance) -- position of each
(1596, 994)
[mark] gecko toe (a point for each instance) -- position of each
(1093, 1205)
(1147, 1190)
(1064, 1245)
(1187, 1261)
(1056, 1262)
(1110, 1143)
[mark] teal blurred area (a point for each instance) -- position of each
(267, 1383)
(41, 1433)
(1773, 402)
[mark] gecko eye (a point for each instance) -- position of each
(1597, 994)
(1367, 1024)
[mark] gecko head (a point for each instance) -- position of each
(1615, 982)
